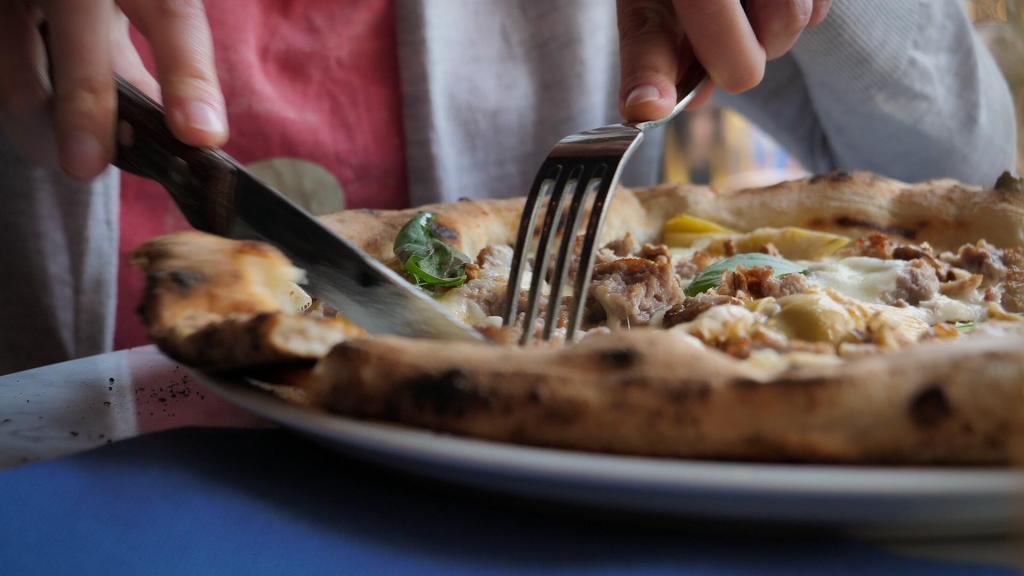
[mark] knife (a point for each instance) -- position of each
(218, 195)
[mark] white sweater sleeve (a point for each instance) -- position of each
(904, 88)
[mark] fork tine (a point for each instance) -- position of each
(543, 254)
(548, 172)
(568, 244)
(597, 214)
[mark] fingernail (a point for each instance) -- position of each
(202, 116)
(641, 94)
(82, 155)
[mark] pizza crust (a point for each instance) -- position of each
(221, 304)
(944, 213)
(658, 393)
(472, 225)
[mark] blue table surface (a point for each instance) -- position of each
(230, 501)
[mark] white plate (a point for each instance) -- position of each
(904, 502)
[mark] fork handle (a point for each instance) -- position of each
(687, 89)
(689, 86)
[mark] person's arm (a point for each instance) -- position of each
(905, 89)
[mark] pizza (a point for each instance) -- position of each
(840, 318)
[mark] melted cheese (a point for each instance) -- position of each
(859, 277)
(870, 279)
(682, 254)
(463, 307)
(945, 309)
(721, 324)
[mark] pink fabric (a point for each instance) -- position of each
(309, 79)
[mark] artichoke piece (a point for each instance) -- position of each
(685, 230)
(684, 223)
(893, 328)
(812, 318)
(696, 239)
(792, 242)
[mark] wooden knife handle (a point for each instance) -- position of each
(201, 180)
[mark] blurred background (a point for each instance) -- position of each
(717, 146)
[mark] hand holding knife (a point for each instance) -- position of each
(218, 195)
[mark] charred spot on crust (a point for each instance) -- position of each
(848, 222)
(1007, 182)
(184, 279)
(257, 325)
(447, 394)
(834, 176)
(536, 395)
(996, 440)
(634, 382)
(772, 448)
(747, 383)
(619, 357)
(446, 233)
(689, 391)
(930, 407)
(791, 382)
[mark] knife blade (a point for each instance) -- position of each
(361, 288)
(217, 194)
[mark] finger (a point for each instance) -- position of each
(24, 87)
(127, 62)
(723, 41)
(83, 84)
(778, 23)
(819, 12)
(179, 34)
(648, 59)
(705, 88)
(703, 95)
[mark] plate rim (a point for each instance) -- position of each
(424, 446)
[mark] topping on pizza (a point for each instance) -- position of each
(779, 290)
(426, 259)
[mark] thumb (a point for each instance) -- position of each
(648, 56)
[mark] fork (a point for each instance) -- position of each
(584, 167)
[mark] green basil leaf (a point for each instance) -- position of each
(414, 237)
(427, 259)
(423, 270)
(712, 275)
(965, 326)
